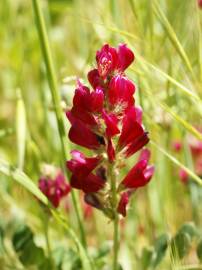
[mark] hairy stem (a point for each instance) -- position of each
(45, 47)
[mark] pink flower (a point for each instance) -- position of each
(177, 146)
(184, 177)
(54, 188)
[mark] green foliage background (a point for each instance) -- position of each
(166, 38)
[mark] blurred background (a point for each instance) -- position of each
(166, 38)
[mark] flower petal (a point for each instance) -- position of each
(97, 100)
(123, 204)
(125, 57)
(111, 123)
(121, 91)
(135, 178)
(137, 144)
(90, 183)
(107, 59)
(94, 78)
(131, 129)
(80, 134)
(80, 165)
(149, 172)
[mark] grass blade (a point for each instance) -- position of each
(179, 164)
(20, 129)
(22, 179)
(179, 119)
(46, 51)
(172, 36)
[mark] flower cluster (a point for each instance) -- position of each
(54, 186)
(195, 147)
(106, 121)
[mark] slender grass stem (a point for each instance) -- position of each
(116, 218)
(46, 51)
(46, 233)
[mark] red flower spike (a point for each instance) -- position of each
(200, 3)
(80, 134)
(123, 204)
(80, 165)
(107, 59)
(106, 120)
(121, 91)
(111, 123)
(125, 56)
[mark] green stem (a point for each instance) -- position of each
(116, 218)
(45, 47)
(46, 229)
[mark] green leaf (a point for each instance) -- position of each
(146, 257)
(160, 248)
(199, 250)
(22, 236)
(23, 243)
(190, 229)
(31, 254)
(180, 245)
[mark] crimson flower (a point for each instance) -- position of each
(54, 187)
(200, 3)
(106, 121)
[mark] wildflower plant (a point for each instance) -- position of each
(106, 121)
